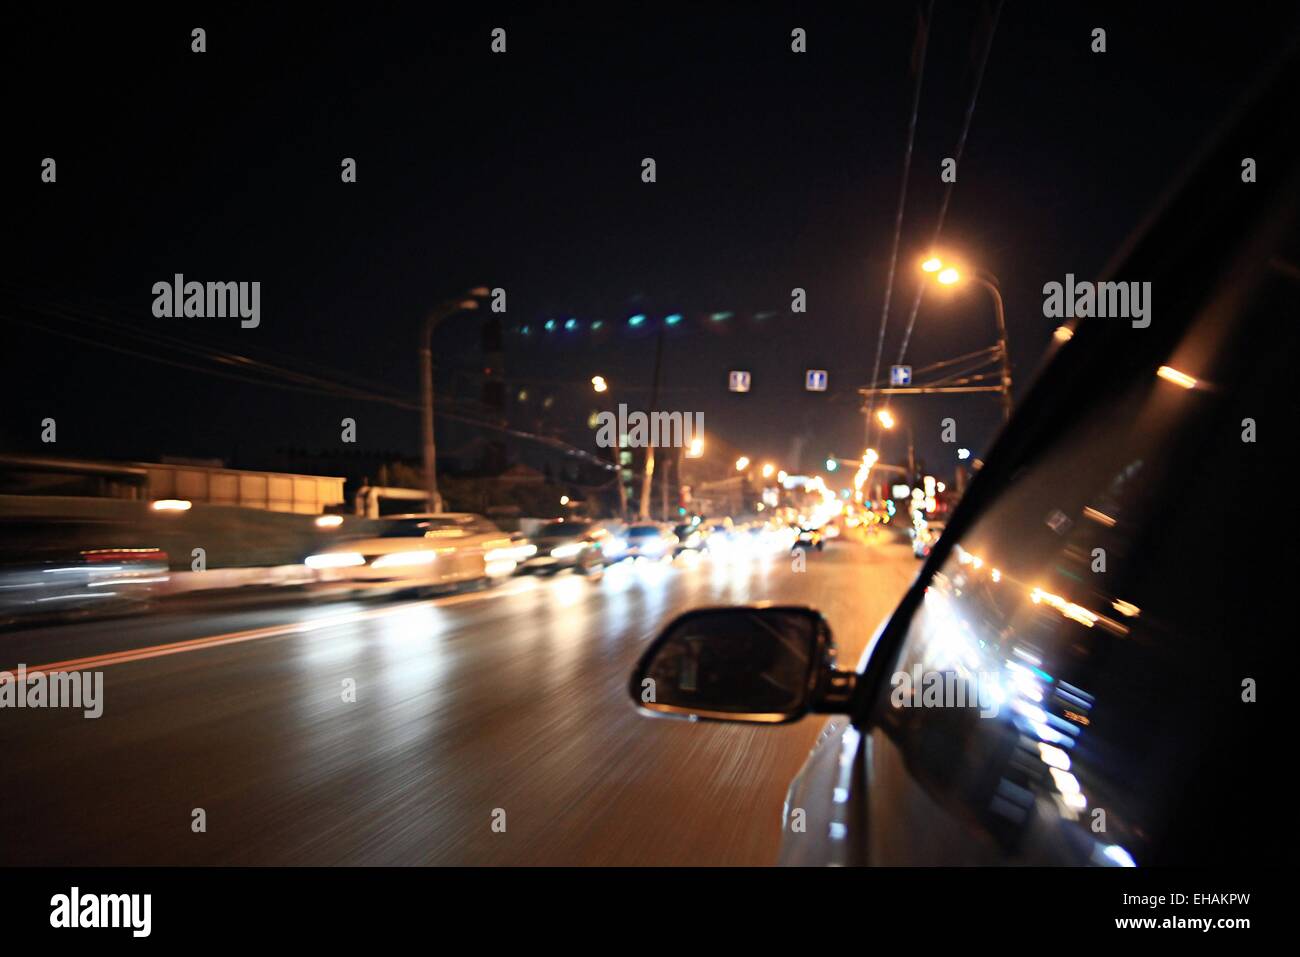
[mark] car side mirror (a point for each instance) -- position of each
(761, 665)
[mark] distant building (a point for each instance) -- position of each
(193, 481)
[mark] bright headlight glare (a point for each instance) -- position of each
(565, 551)
(399, 559)
(335, 560)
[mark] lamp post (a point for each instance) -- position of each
(445, 310)
(948, 275)
(599, 384)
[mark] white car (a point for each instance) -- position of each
(643, 540)
(421, 551)
(924, 537)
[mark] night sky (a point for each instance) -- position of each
(522, 171)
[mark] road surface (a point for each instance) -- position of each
(511, 700)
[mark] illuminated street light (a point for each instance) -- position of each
(696, 449)
(742, 463)
(1180, 379)
(564, 500)
(769, 470)
(949, 276)
(885, 418)
(599, 384)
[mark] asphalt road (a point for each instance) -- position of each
(511, 700)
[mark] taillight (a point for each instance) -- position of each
(119, 556)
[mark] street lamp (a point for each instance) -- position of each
(696, 449)
(599, 384)
(885, 418)
(444, 311)
(742, 463)
(949, 275)
(769, 470)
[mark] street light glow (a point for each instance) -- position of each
(948, 276)
(885, 418)
(696, 449)
(599, 384)
(933, 264)
(1180, 379)
(769, 470)
(742, 463)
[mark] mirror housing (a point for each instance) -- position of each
(755, 664)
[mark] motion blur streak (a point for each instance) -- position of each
(510, 698)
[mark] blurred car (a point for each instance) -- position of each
(53, 568)
(1070, 678)
(421, 551)
(690, 537)
(718, 534)
(807, 538)
(644, 540)
(565, 544)
(924, 537)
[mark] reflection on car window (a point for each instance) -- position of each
(1108, 607)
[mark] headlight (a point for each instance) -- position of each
(566, 551)
(399, 559)
(612, 546)
(335, 560)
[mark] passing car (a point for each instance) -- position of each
(924, 538)
(565, 544)
(807, 538)
(54, 569)
(690, 537)
(647, 540)
(420, 552)
(1072, 677)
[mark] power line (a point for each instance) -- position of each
(902, 199)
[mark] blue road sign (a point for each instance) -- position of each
(900, 375)
(815, 380)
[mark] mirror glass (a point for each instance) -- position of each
(738, 664)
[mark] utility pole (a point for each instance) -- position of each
(990, 283)
(449, 308)
(647, 481)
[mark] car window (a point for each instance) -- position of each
(420, 527)
(1105, 613)
(563, 530)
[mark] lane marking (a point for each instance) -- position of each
(254, 634)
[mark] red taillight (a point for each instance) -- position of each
(120, 556)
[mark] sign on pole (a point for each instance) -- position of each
(900, 375)
(738, 381)
(815, 380)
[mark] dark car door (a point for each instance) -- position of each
(1109, 603)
